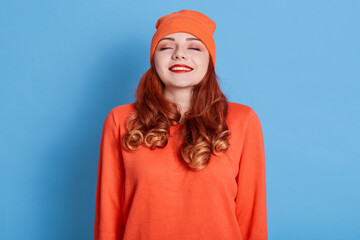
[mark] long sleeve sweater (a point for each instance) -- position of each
(151, 195)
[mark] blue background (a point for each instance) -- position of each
(65, 64)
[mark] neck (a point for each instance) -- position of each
(180, 96)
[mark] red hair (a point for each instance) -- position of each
(204, 130)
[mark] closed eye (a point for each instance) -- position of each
(198, 49)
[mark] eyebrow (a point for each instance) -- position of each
(173, 39)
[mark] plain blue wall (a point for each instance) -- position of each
(65, 64)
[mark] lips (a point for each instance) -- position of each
(179, 68)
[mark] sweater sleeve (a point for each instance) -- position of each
(251, 196)
(109, 224)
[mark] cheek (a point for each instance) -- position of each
(158, 65)
(203, 63)
(159, 61)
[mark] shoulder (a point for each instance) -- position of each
(242, 118)
(121, 113)
(123, 109)
(240, 111)
(238, 108)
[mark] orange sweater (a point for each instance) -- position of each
(150, 194)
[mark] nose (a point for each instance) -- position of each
(179, 53)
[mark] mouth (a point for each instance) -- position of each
(180, 68)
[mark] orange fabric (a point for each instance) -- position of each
(150, 194)
(189, 21)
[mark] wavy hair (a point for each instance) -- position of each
(204, 129)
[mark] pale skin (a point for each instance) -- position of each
(181, 48)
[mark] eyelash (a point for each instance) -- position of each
(198, 49)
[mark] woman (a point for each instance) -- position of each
(181, 162)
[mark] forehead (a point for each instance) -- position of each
(181, 36)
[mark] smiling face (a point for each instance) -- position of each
(185, 50)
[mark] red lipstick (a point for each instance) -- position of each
(180, 70)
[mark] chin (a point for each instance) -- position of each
(182, 86)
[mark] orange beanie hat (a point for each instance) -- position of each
(189, 21)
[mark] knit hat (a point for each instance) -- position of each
(189, 21)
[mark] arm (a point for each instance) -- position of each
(251, 196)
(109, 224)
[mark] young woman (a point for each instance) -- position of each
(181, 162)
